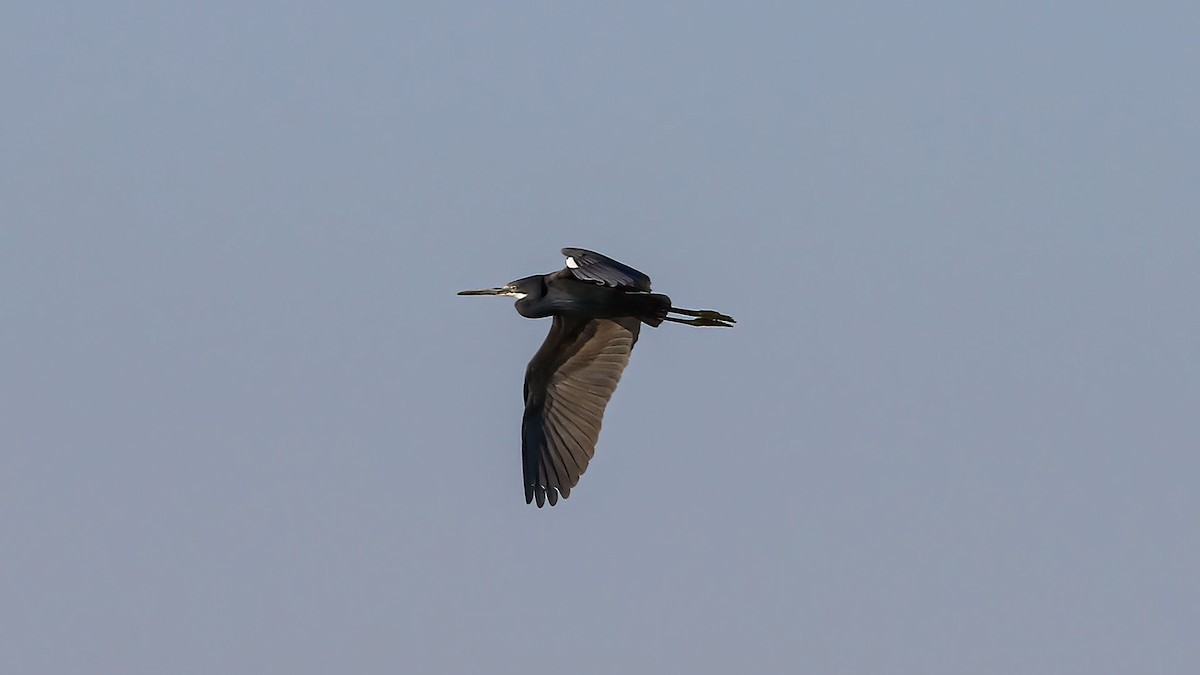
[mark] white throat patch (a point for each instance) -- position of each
(571, 263)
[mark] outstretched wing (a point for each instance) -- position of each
(567, 386)
(591, 266)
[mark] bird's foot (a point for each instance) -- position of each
(702, 321)
(704, 317)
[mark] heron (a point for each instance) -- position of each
(598, 307)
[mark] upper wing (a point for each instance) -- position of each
(567, 385)
(591, 266)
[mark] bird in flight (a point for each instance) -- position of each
(598, 306)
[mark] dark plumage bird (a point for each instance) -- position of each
(599, 306)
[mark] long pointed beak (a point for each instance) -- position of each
(487, 291)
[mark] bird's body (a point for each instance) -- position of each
(598, 306)
(564, 294)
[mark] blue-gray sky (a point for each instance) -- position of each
(248, 427)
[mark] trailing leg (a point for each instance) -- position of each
(704, 317)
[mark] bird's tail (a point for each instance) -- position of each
(652, 308)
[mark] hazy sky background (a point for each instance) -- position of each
(248, 427)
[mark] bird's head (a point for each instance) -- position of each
(518, 289)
